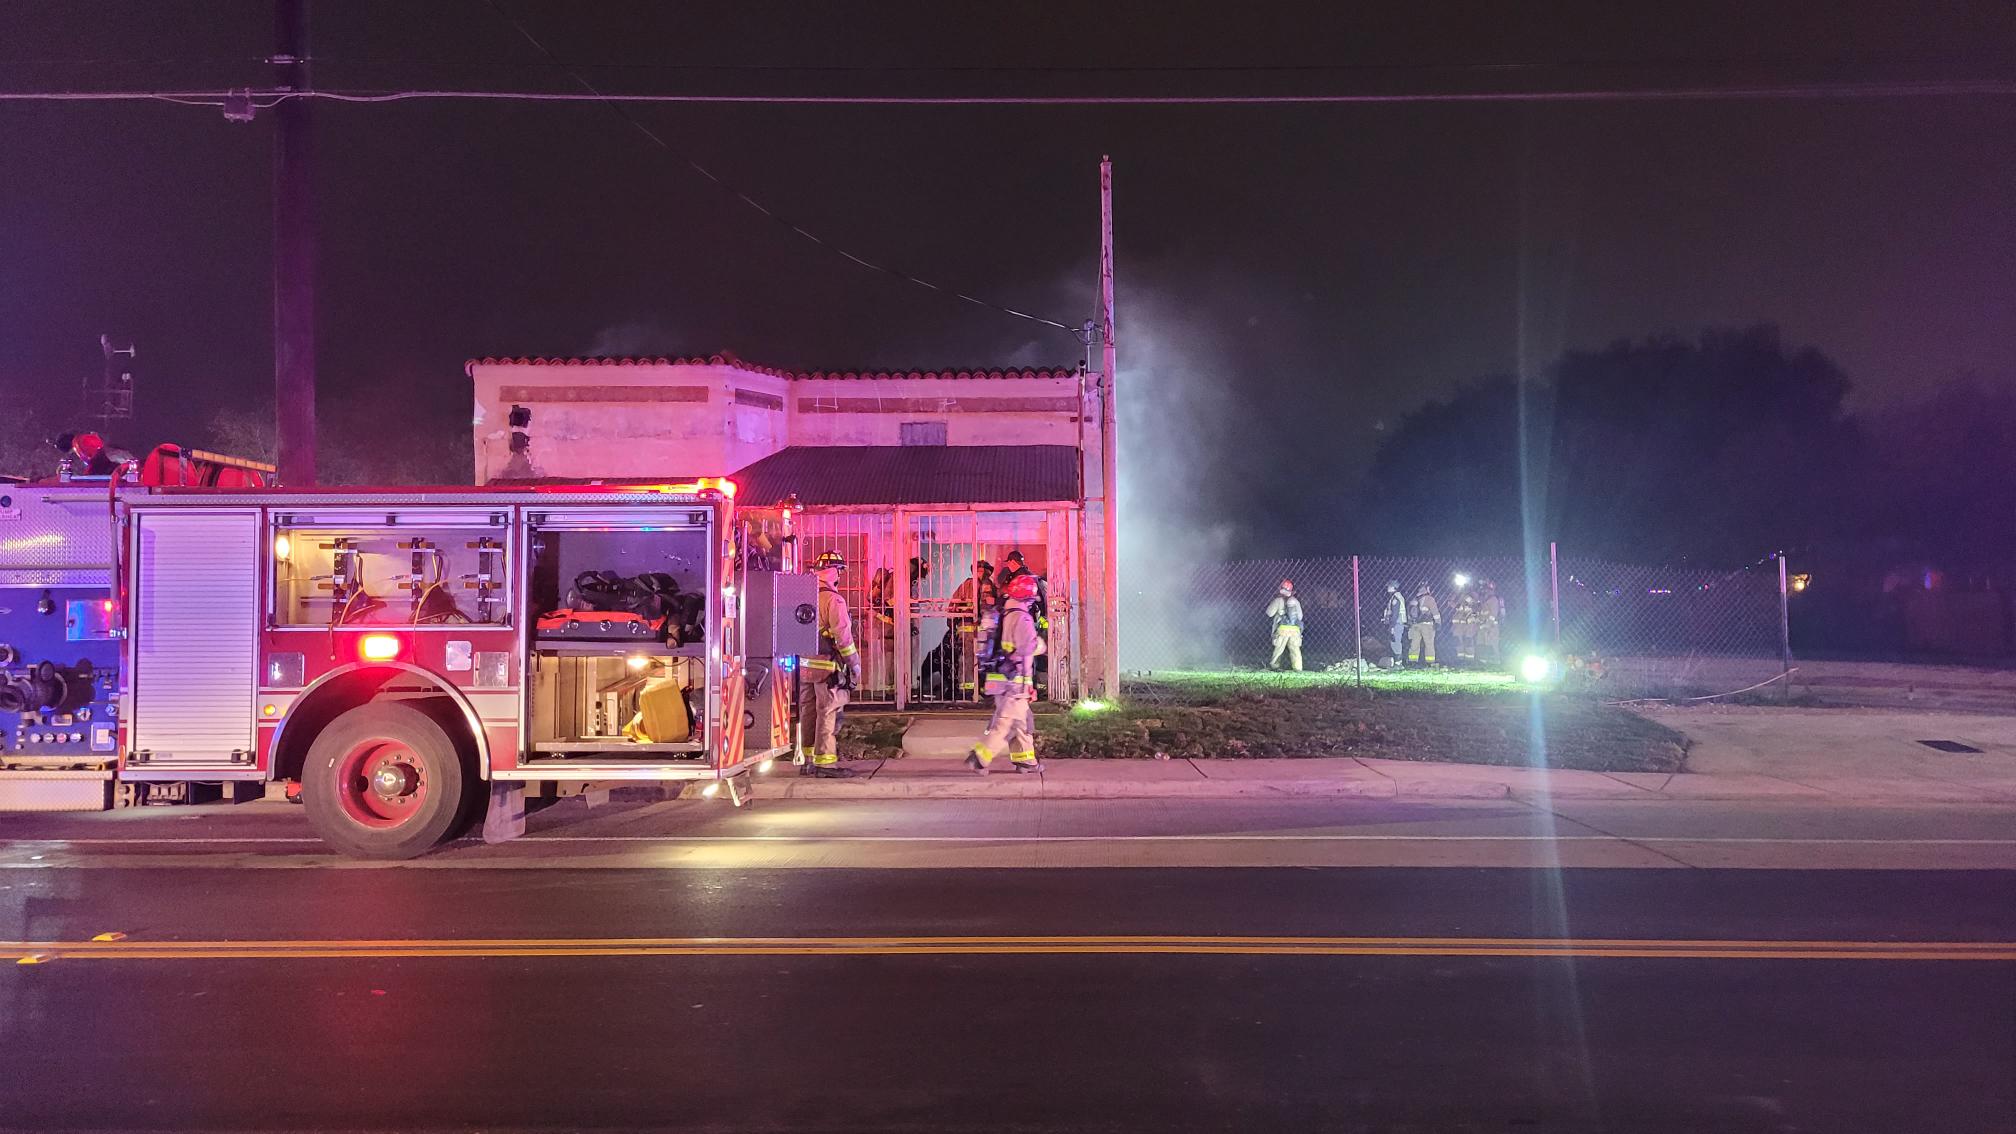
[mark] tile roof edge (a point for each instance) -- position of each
(729, 360)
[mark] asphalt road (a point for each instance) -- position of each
(496, 993)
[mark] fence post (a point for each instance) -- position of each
(1357, 631)
(1554, 590)
(1784, 627)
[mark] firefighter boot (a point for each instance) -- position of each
(977, 760)
(828, 767)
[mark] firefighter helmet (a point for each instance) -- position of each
(830, 558)
(1422, 589)
(1021, 587)
(1287, 586)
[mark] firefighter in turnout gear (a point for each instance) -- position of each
(1285, 613)
(1395, 619)
(1012, 568)
(1490, 614)
(1463, 620)
(1422, 615)
(971, 603)
(826, 682)
(1011, 684)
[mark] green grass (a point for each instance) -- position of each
(1199, 681)
(1462, 717)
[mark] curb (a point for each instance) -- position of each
(1702, 788)
(1012, 786)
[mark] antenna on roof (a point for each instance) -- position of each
(110, 400)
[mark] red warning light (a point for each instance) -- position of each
(378, 647)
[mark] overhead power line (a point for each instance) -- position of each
(753, 203)
(265, 99)
(1844, 90)
(1925, 62)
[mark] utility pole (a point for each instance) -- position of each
(293, 250)
(1109, 438)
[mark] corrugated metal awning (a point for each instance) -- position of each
(835, 475)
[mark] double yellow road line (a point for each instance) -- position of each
(108, 949)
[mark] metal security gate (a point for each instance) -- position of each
(911, 588)
(954, 548)
(868, 584)
(195, 628)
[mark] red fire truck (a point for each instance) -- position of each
(411, 660)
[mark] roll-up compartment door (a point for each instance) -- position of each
(195, 627)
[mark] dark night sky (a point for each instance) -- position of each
(1291, 277)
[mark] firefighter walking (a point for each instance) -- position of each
(1285, 613)
(1012, 684)
(1422, 615)
(826, 682)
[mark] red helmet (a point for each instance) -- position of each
(1021, 587)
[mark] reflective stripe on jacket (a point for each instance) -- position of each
(836, 632)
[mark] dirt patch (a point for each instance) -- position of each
(1210, 719)
(873, 737)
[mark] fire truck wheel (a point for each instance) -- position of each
(384, 781)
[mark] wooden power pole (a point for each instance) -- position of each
(293, 251)
(1109, 439)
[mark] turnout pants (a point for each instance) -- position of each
(1421, 643)
(1465, 634)
(1487, 641)
(819, 707)
(1288, 641)
(1012, 728)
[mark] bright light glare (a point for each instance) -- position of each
(711, 790)
(283, 548)
(1461, 580)
(766, 765)
(637, 661)
(1093, 705)
(378, 647)
(1535, 668)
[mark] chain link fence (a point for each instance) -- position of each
(1676, 631)
(1623, 630)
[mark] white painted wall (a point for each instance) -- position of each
(634, 436)
(873, 409)
(631, 436)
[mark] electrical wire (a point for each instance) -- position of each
(1483, 66)
(1785, 676)
(596, 95)
(1635, 94)
(266, 98)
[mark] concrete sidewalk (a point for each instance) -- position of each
(1842, 755)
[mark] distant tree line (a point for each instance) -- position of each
(352, 448)
(1710, 451)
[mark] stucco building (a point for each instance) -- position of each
(915, 476)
